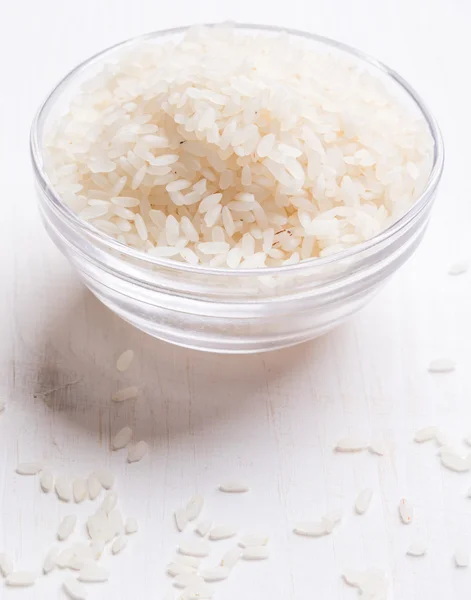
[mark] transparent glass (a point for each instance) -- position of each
(246, 310)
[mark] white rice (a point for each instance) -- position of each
(456, 462)
(128, 393)
(459, 267)
(197, 548)
(181, 519)
(197, 591)
(93, 573)
(253, 540)
(96, 548)
(233, 487)
(312, 528)
(243, 132)
(32, 468)
(406, 511)
(50, 560)
(75, 589)
(79, 489)
(461, 557)
(222, 532)
(443, 439)
(186, 580)
(63, 487)
(231, 558)
(21, 579)
(363, 501)
(46, 480)
(255, 553)
(119, 544)
(122, 438)
(116, 522)
(371, 583)
(125, 359)
(194, 507)
(417, 548)
(94, 486)
(109, 502)
(442, 365)
(64, 558)
(215, 573)
(203, 528)
(351, 444)
(426, 434)
(136, 452)
(106, 478)
(176, 568)
(66, 527)
(189, 561)
(131, 526)
(353, 578)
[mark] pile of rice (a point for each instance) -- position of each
(229, 149)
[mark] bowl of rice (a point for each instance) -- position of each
(235, 188)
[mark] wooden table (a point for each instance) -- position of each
(270, 420)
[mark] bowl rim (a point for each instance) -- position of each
(355, 251)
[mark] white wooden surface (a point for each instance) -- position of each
(271, 419)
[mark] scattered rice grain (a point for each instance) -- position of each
(79, 489)
(406, 511)
(136, 452)
(63, 487)
(233, 487)
(255, 553)
(122, 438)
(21, 579)
(221, 532)
(442, 365)
(125, 359)
(46, 480)
(363, 501)
(66, 527)
(32, 468)
(74, 588)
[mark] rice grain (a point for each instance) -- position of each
(125, 359)
(363, 501)
(442, 365)
(203, 528)
(406, 511)
(79, 489)
(63, 487)
(221, 532)
(74, 589)
(32, 468)
(194, 507)
(66, 527)
(212, 122)
(122, 438)
(255, 553)
(20, 579)
(181, 519)
(46, 480)
(197, 548)
(233, 487)
(136, 452)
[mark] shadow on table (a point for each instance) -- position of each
(182, 391)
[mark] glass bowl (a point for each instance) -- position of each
(221, 310)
